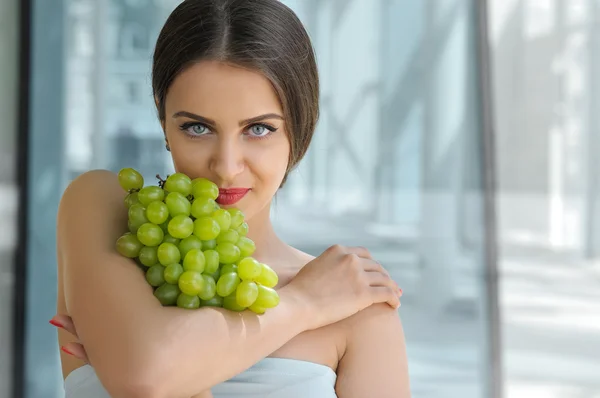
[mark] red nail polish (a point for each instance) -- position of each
(55, 323)
(400, 291)
(67, 351)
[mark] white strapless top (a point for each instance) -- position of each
(269, 378)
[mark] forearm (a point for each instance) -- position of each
(206, 347)
(135, 344)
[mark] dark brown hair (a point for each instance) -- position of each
(262, 35)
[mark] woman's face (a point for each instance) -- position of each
(226, 124)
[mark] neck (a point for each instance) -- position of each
(269, 247)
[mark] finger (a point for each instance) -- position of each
(378, 279)
(76, 350)
(384, 294)
(65, 322)
(370, 265)
(359, 251)
(374, 266)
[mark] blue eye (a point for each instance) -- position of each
(194, 129)
(198, 129)
(261, 130)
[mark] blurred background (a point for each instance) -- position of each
(459, 139)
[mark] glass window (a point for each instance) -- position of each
(546, 57)
(9, 198)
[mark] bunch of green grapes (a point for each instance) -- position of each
(194, 253)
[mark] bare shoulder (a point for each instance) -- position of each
(94, 181)
(92, 191)
(91, 195)
(378, 321)
(374, 362)
(380, 314)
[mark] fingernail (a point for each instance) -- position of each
(55, 323)
(66, 350)
(400, 291)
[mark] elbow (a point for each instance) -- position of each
(136, 382)
(136, 386)
(133, 389)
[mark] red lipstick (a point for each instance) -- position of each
(231, 196)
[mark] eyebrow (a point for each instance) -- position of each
(212, 123)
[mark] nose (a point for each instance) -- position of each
(227, 160)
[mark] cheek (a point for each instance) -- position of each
(190, 159)
(270, 164)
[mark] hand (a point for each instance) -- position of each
(341, 282)
(73, 348)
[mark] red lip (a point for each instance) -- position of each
(229, 196)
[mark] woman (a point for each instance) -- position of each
(236, 89)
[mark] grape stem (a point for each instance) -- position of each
(161, 182)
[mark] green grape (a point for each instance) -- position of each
(227, 284)
(228, 252)
(230, 236)
(165, 226)
(189, 243)
(169, 239)
(215, 275)
(230, 303)
(212, 261)
(137, 214)
(168, 253)
(256, 309)
(246, 293)
(210, 288)
(267, 297)
(209, 244)
(155, 276)
(194, 261)
(172, 273)
(178, 204)
(203, 187)
(150, 234)
(157, 213)
(129, 245)
(237, 217)
(181, 226)
(151, 194)
(180, 183)
(167, 294)
(133, 228)
(148, 256)
(216, 301)
(188, 302)
(267, 276)
(243, 229)
(131, 199)
(223, 217)
(246, 245)
(202, 207)
(249, 269)
(191, 283)
(206, 228)
(130, 179)
(227, 268)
